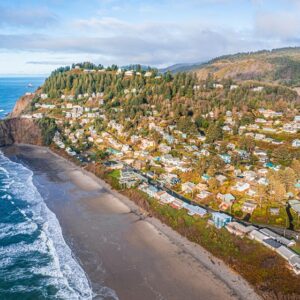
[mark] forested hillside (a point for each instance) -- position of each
(180, 98)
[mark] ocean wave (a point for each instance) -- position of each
(60, 269)
(9, 230)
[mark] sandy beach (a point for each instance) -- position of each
(134, 257)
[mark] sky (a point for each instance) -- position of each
(37, 36)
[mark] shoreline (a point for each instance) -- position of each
(232, 283)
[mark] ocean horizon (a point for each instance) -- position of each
(12, 88)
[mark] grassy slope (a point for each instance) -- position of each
(281, 65)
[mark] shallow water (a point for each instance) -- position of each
(35, 261)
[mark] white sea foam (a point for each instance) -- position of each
(62, 269)
(9, 230)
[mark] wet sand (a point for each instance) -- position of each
(138, 259)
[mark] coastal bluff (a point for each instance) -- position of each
(22, 103)
(20, 131)
(17, 130)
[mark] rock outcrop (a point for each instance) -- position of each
(20, 131)
(21, 105)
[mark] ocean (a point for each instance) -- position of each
(35, 261)
(12, 88)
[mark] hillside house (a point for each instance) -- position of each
(128, 179)
(280, 239)
(220, 220)
(239, 229)
(203, 194)
(188, 187)
(226, 201)
(296, 143)
(249, 207)
(257, 236)
(295, 205)
(129, 73)
(194, 210)
(164, 197)
(44, 96)
(292, 258)
(226, 158)
(177, 203)
(150, 190)
(241, 186)
(258, 89)
(201, 187)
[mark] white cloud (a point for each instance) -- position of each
(280, 25)
(122, 42)
(26, 16)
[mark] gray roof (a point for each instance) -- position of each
(255, 234)
(269, 233)
(277, 237)
(240, 227)
(295, 204)
(285, 241)
(295, 260)
(285, 252)
(271, 243)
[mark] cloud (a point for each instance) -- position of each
(26, 17)
(147, 43)
(49, 63)
(280, 25)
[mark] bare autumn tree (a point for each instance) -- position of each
(288, 178)
(277, 189)
(296, 167)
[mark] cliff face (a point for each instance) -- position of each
(20, 131)
(21, 104)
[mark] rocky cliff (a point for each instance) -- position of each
(21, 105)
(20, 131)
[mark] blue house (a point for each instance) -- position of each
(169, 138)
(270, 165)
(205, 177)
(220, 220)
(114, 151)
(226, 158)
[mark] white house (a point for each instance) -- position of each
(296, 143)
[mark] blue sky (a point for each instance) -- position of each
(37, 36)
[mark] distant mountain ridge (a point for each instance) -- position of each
(274, 66)
(181, 67)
